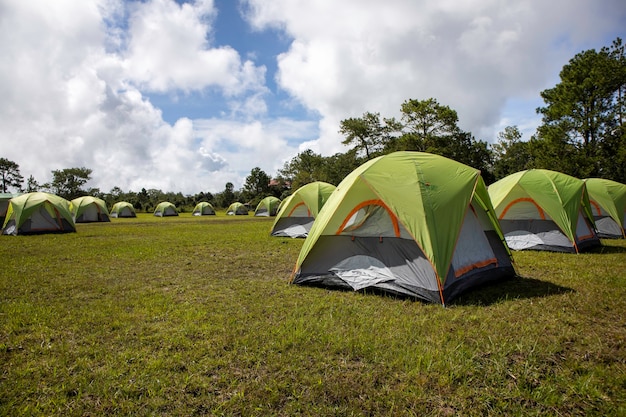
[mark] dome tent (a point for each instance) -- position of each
(89, 209)
(38, 212)
(298, 211)
(203, 209)
(237, 209)
(165, 209)
(541, 209)
(608, 206)
(122, 209)
(408, 223)
(267, 207)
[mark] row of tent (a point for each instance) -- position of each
(425, 226)
(41, 212)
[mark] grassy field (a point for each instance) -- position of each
(195, 316)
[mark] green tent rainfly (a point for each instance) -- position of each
(540, 209)
(203, 209)
(122, 209)
(408, 223)
(608, 205)
(38, 212)
(237, 209)
(89, 209)
(165, 209)
(298, 211)
(267, 207)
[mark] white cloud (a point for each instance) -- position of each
(76, 78)
(354, 56)
(73, 78)
(168, 50)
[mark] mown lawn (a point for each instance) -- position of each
(195, 316)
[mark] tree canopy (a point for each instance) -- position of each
(10, 176)
(68, 182)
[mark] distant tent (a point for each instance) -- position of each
(89, 209)
(298, 211)
(267, 207)
(203, 209)
(541, 209)
(165, 209)
(407, 223)
(608, 205)
(237, 209)
(38, 213)
(122, 209)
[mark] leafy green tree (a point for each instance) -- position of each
(432, 127)
(510, 153)
(428, 125)
(586, 110)
(227, 197)
(32, 185)
(257, 186)
(10, 176)
(368, 133)
(338, 166)
(304, 168)
(67, 183)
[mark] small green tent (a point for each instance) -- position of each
(407, 223)
(89, 209)
(267, 207)
(38, 212)
(608, 205)
(298, 211)
(541, 209)
(165, 209)
(203, 209)
(122, 209)
(237, 209)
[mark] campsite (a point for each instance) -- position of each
(196, 316)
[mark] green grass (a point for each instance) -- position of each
(195, 316)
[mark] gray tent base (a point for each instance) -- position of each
(542, 235)
(28, 229)
(294, 227)
(608, 228)
(407, 273)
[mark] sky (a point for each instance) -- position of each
(190, 95)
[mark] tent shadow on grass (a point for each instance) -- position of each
(606, 250)
(517, 288)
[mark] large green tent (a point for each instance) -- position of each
(122, 209)
(38, 212)
(298, 211)
(237, 209)
(408, 223)
(608, 205)
(267, 207)
(89, 209)
(203, 209)
(165, 209)
(541, 209)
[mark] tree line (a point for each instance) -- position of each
(582, 134)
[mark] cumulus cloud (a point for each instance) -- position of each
(78, 79)
(168, 50)
(74, 77)
(354, 56)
